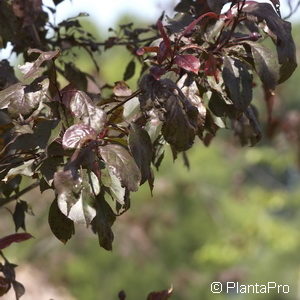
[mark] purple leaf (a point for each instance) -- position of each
(14, 238)
(83, 108)
(188, 62)
(164, 35)
(32, 69)
(76, 135)
(121, 164)
(162, 295)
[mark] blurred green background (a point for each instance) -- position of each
(234, 216)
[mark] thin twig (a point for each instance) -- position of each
(136, 93)
(4, 201)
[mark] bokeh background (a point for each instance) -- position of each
(234, 216)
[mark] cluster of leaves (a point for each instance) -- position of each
(198, 74)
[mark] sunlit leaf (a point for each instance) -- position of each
(121, 89)
(188, 62)
(76, 135)
(83, 108)
(15, 91)
(121, 164)
(68, 187)
(24, 169)
(111, 181)
(238, 82)
(266, 65)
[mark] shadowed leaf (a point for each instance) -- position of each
(280, 32)
(33, 69)
(103, 222)
(141, 148)
(19, 215)
(18, 288)
(130, 71)
(61, 226)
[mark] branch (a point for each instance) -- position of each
(4, 201)
(136, 93)
(292, 10)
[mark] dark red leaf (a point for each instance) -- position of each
(189, 28)
(188, 62)
(164, 35)
(210, 67)
(142, 51)
(162, 53)
(162, 295)
(14, 238)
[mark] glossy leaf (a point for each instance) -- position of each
(238, 82)
(83, 212)
(15, 91)
(188, 62)
(121, 164)
(266, 65)
(83, 108)
(76, 135)
(68, 186)
(21, 99)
